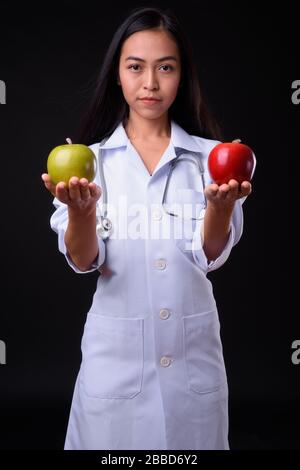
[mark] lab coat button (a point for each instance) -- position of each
(156, 215)
(165, 361)
(160, 263)
(164, 313)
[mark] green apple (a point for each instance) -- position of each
(70, 160)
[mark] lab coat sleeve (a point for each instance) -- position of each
(236, 225)
(236, 229)
(59, 223)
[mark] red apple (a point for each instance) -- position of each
(231, 160)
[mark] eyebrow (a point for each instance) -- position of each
(167, 57)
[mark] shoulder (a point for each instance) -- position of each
(94, 147)
(205, 145)
(194, 143)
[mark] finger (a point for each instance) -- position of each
(211, 190)
(224, 190)
(74, 190)
(246, 188)
(45, 177)
(62, 192)
(48, 183)
(234, 189)
(84, 189)
(95, 190)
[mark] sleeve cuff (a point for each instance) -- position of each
(94, 266)
(59, 223)
(199, 254)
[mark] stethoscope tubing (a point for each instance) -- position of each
(104, 225)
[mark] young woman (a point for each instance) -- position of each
(152, 373)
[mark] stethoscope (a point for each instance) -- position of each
(104, 224)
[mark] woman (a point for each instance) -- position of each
(152, 373)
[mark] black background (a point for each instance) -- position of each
(50, 55)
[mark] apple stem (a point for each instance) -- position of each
(68, 140)
(237, 141)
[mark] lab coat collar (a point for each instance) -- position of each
(179, 139)
(117, 139)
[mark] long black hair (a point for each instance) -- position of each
(108, 106)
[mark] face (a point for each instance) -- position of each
(149, 72)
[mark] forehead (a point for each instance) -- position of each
(150, 44)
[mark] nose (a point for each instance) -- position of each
(151, 82)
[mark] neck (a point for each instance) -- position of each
(139, 128)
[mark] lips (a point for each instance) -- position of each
(149, 98)
(149, 101)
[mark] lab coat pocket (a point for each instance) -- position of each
(112, 357)
(190, 207)
(203, 352)
(191, 203)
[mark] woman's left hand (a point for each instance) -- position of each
(225, 195)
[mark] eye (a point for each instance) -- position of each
(134, 67)
(166, 68)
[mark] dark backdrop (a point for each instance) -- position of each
(50, 55)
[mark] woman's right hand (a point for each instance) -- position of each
(80, 195)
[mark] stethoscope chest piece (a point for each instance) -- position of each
(104, 228)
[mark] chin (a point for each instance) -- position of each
(151, 114)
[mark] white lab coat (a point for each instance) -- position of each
(152, 374)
